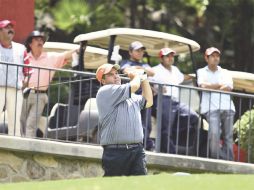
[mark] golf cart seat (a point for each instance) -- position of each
(88, 120)
(84, 129)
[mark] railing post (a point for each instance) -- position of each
(159, 119)
(111, 47)
(82, 48)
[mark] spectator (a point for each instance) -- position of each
(218, 108)
(33, 105)
(136, 52)
(120, 126)
(12, 76)
(167, 73)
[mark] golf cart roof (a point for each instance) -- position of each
(152, 40)
(243, 81)
(94, 57)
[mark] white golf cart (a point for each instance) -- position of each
(153, 41)
(113, 40)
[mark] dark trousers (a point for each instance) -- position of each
(176, 118)
(147, 128)
(123, 161)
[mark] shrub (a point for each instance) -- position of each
(244, 128)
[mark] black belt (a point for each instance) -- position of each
(124, 146)
(39, 91)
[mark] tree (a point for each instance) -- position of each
(243, 36)
(228, 25)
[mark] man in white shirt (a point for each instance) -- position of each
(218, 108)
(13, 75)
(170, 75)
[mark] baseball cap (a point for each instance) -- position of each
(4, 23)
(34, 33)
(104, 69)
(166, 51)
(210, 50)
(136, 45)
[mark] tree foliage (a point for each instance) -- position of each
(73, 15)
(228, 25)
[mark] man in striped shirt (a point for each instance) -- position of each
(120, 126)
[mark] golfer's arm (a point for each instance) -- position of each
(147, 93)
(135, 84)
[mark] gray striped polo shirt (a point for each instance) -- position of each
(119, 115)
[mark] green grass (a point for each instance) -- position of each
(158, 182)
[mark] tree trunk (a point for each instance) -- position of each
(133, 16)
(143, 19)
(243, 42)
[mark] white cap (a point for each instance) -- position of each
(136, 45)
(166, 51)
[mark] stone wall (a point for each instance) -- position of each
(21, 166)
(23, 159)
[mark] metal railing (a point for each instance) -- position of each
(196, 137)
(71, 115)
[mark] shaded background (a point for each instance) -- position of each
(228, 24)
